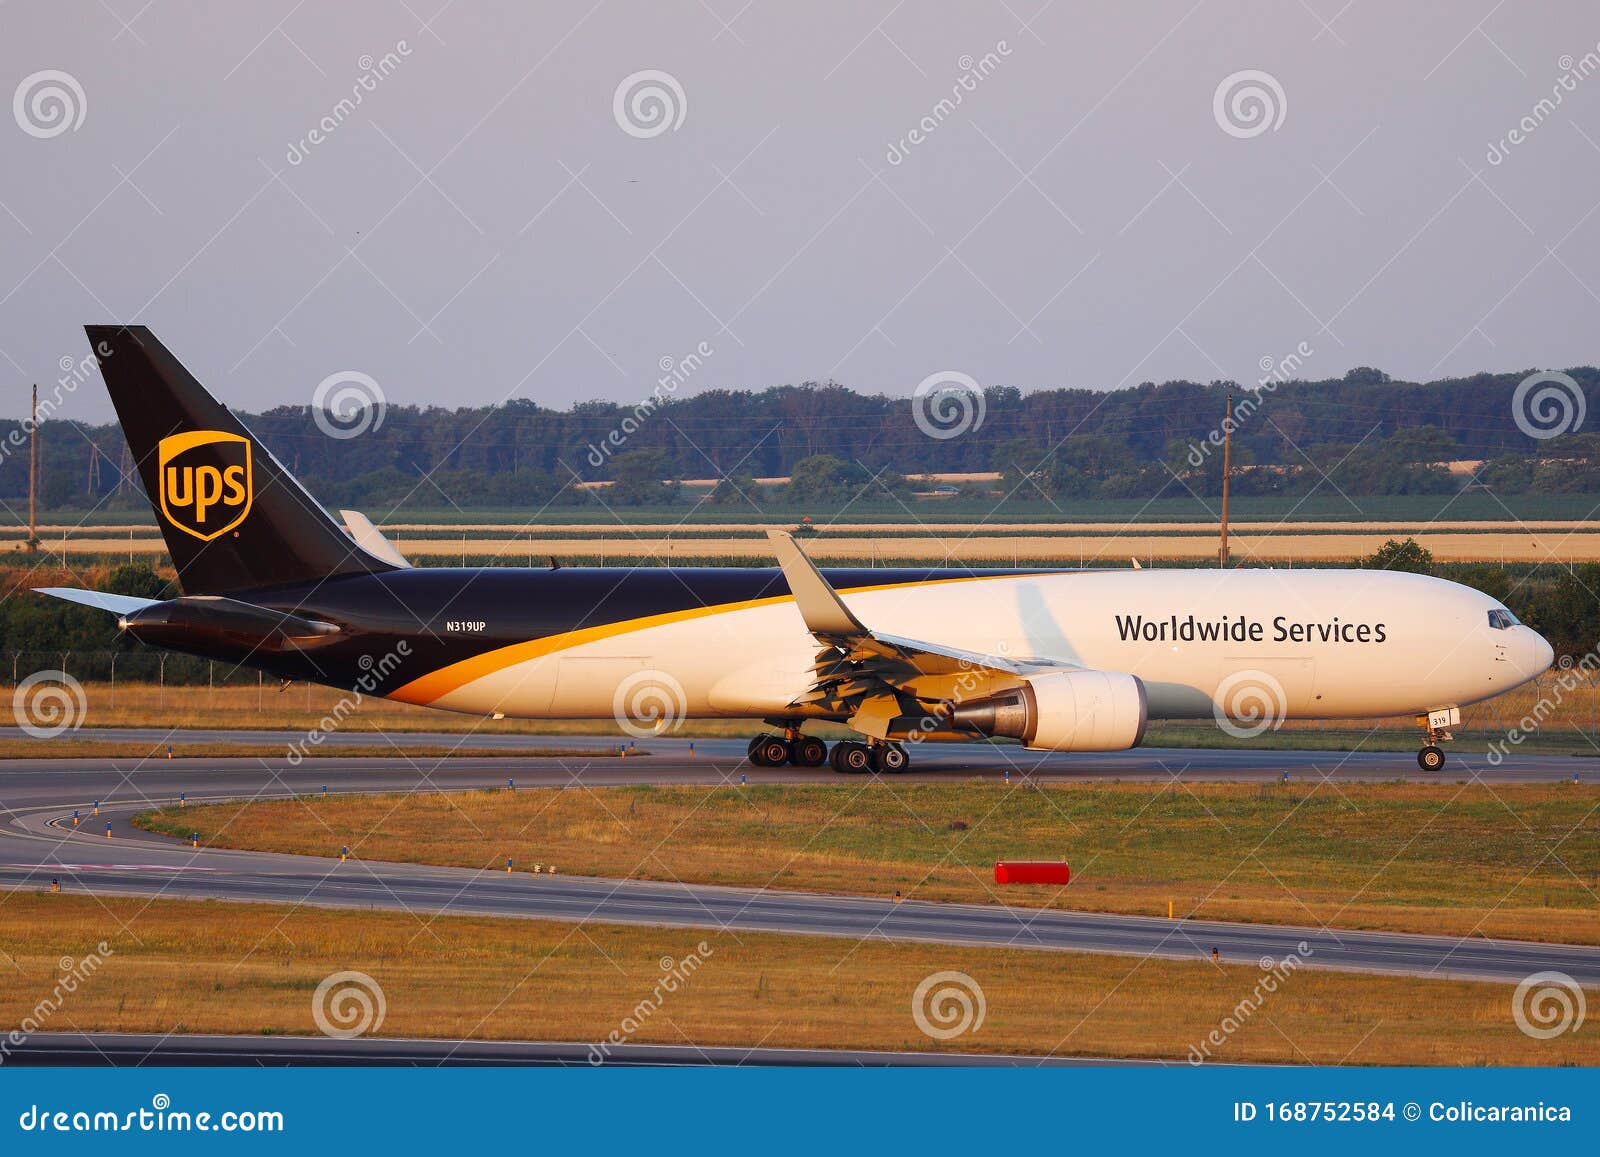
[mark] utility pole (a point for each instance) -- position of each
(33, 469)
(1227, 469)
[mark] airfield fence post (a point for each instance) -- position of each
(113, 680)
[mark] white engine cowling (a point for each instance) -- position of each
(1064, 711)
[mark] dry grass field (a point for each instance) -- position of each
(974, 549)
(1063, 544)
(674, 524)
(1508, 860)
(205, 967)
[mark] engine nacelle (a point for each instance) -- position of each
(1064, 711)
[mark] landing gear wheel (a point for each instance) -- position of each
(891, 757)
(809, 751)
(770, 751)
(750, 752)
(1430, 758)
(850, 758)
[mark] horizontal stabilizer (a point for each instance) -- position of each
(370, 539)
(99, 600)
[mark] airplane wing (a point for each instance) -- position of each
(878, 676)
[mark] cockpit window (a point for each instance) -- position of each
(1501, 619)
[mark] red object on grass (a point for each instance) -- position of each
(1031, 872)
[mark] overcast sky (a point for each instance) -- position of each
(491, 222)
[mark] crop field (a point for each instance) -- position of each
(175, 966)
(1023, 544)
(1461, 859)
(1468, 505)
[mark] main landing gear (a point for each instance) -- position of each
(848, 757)
(852, 758)
(791, 747)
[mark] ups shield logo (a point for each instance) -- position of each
(206, 482)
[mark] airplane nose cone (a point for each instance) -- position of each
(1539, 655)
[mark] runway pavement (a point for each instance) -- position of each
(38, 844)
(680, 760)
(160, 1050)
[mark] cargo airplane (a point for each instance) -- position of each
(1057, 660)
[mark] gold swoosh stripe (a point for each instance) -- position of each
(424, 690)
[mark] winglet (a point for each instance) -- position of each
(820, 606)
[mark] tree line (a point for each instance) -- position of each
(1362, 434)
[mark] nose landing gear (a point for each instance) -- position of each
(1435, 730)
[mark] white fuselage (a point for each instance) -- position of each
(1340, 644)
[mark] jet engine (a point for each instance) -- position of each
(1063, 711)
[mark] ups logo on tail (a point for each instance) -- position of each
(206, 482)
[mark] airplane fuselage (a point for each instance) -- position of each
(559, 643)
